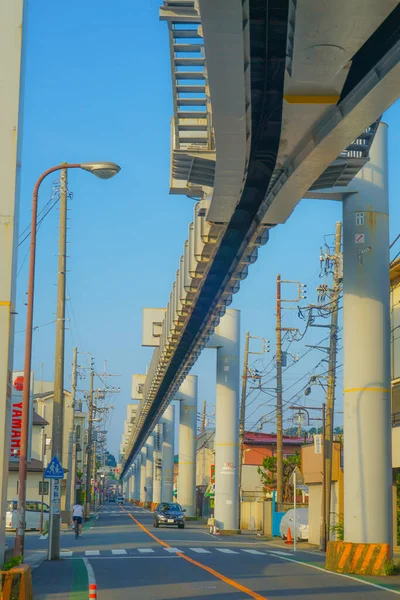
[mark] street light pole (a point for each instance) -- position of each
(104, 171)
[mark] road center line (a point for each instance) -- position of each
(227, 580)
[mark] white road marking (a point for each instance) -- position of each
(121, 551)
(65, 553)
(252, 551)
(92, 552)
(226, 551)
(173, 550)
(353, 577)
(145, 550)
(200, 550)
(279, 553)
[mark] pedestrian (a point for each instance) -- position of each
(77, 515)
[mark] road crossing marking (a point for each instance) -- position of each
(252, 551)
(66, 553)
(145, 550)
(173, 550)
(119, 551)
(226, 551)
(200, 550)
(92, 552)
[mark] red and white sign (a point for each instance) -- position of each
(359, 238)
(16, 416)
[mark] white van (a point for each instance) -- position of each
(32, 514)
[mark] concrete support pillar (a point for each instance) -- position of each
(367, 426)
(136, 479)
(143, 460)
(187, 396)
(12, 27)
(157, 471)
(227, 340)
(168, 455)
(149, 468)
(130, 485)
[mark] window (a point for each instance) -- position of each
(31, 506)
(46, 507)
(45, 488)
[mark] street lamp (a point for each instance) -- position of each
(103, 170)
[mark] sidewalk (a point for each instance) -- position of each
(60, 580)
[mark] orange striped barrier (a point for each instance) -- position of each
(362, 559)
(16, 583)
(93, 591)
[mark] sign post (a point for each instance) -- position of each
(55, 473)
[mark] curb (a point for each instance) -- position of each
(35, 559)
(92, 580)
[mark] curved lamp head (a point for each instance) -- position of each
(104, 170)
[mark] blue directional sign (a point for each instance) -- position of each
(54, 469)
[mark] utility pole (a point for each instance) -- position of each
(71, 475)
(331, 383)
(89, 448)
(301, 291)
(242, 416)
(203, 417)
(44, 466)
(279, 435)
(325, 484)
(94, 473)
(58, 402)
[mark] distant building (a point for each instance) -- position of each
(256, 447)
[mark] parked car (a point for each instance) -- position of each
(169, 513)
(301, 524)
(32, 514)
(120, 500)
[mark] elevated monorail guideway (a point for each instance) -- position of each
(273, 101)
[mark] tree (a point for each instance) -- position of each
(110, 459)
(268, 473)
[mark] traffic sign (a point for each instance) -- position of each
(54, 469)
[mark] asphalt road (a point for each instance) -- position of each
(128, 561)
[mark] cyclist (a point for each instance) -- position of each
(77, 517)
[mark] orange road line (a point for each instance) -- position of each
(227, 580)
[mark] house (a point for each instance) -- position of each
(256, 447)
(34, 466)
(73, 446)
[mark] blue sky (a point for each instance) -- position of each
(98, 88)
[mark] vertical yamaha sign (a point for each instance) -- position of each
(16, 416)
